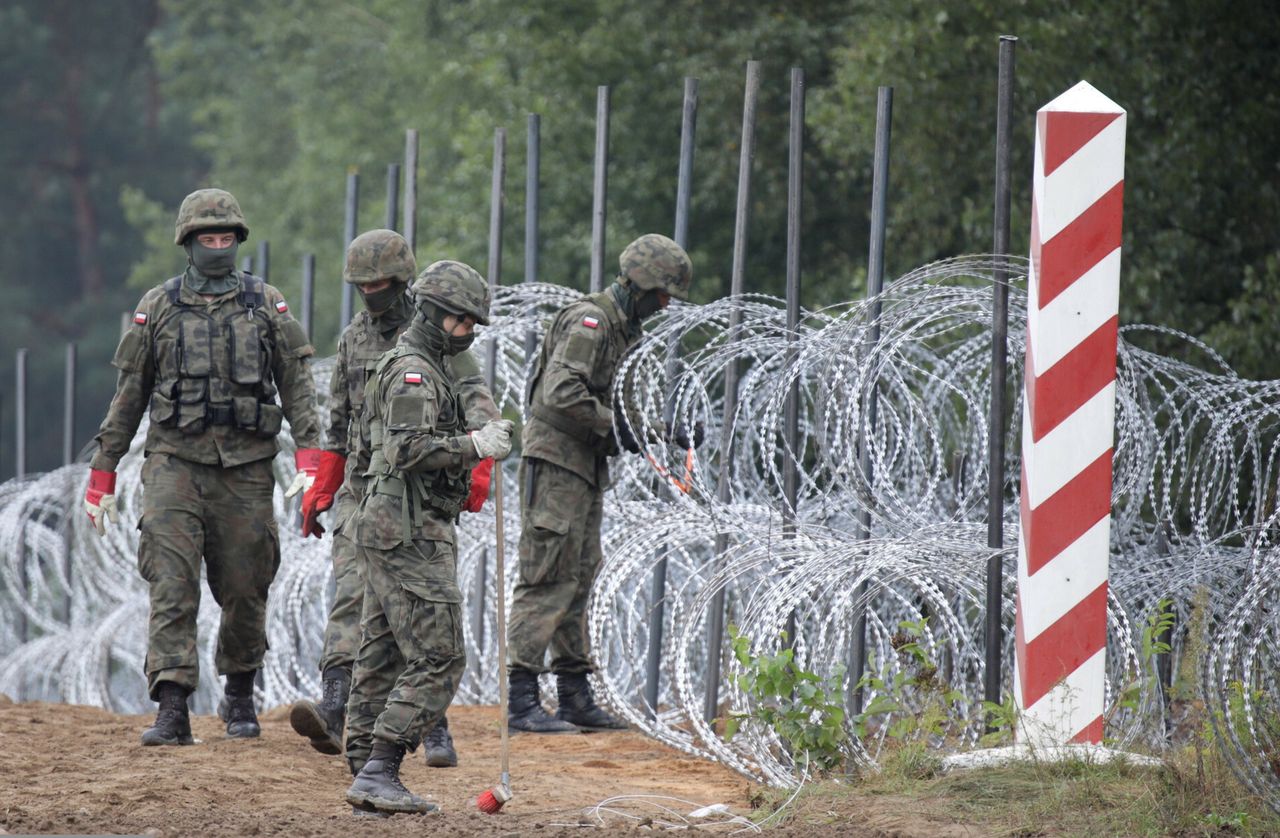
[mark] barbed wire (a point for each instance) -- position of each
(1194, 505)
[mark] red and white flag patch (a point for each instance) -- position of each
(282, 306)
(413, 378)
(590, 322)
(140, 317)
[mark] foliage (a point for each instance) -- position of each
(801, 707)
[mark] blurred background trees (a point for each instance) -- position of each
(116, 109)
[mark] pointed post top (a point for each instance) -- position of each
(1083, 98)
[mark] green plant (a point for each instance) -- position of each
(1236, 820)
(918, 674)
(1001, 720)
(1156, 628)
(804, 709)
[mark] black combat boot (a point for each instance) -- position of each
(578, 707)
(173, 724)
(236, 707)
(524, 710)
(439, 746)
(378, 788)
(323, 723)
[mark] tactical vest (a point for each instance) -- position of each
(218, 369)
(444, 490)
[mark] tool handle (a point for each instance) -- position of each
(501, 604)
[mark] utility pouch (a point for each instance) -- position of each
(270, 418)
(163, 411)
(245, 409)
(195, 346)
(246, 351)
(192, 390)
(191, 418)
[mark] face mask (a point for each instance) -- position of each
(454, 345)
(379, 301)
(213, 263)
(647, 305)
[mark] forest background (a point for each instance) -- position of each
(113, 110)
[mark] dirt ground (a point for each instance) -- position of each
(74, 769)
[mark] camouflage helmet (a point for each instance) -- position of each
(655, 261)
(207, 209)
(379, 254)
(454, 287)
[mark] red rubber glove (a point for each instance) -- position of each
(319, 496)
(480, 478)
(100, 499)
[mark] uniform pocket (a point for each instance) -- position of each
(436, 618)
(246, 351)
(195, 346)
(270, 420)
(543, 544)
(163, 412)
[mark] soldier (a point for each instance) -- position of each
(381, 266)
(417, 457)
(564, 471)
(209, 351)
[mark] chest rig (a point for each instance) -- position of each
(442, 490)
(214, 369)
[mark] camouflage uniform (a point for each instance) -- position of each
(564, 471)
(362, 343)
(413, 450)
(210, 370)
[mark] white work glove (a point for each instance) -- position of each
(494, 439)
(100, 499)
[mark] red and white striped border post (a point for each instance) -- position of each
(1073, 300)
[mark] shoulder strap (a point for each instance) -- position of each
(252, 292)
(172, 288)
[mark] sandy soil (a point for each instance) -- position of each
(74, 769)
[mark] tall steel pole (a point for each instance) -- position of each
(496, 200)
(410, 213)
(715, 618)
(600, 188)
(263, 261)
(875, 284)
(350, 220)
(658, 588)
(532, 202)
(69, 407)
(308, 304)
(393, 194)
(999, 347)
(20, 426)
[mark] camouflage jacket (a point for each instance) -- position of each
(571, 389)
(362, 343)
(210, 371)
(412, 447)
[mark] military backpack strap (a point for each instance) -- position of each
(253, 293)
(172, 288)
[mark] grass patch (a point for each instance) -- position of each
(1192, 794)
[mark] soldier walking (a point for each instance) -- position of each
(415, 453)
(208, 353)
(564, 472)
(381, 265)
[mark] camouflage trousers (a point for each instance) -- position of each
(189, 511)
(559, 557)
(411, 656)
(342, 631)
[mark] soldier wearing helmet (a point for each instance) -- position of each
(416, 456)
(217, 362)
(381, 265)
(566, 443)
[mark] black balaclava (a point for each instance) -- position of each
(382, 302)
(211, 270)
(428, 328)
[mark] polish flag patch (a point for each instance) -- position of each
(282, 306)
(140, 317)
(413, 378)
(590, 322)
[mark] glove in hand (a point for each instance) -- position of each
(494, 439)
(100, 499)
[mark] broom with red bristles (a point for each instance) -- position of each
(491, 800)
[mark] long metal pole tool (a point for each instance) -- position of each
(491, 800)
